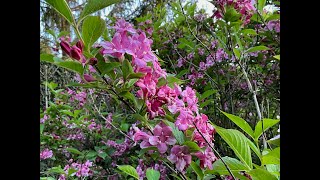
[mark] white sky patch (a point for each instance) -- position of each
(204, 4)
(271, 8)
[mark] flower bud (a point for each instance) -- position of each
(65, 46)
(93, 61)
(80, 45)
(88, 78)
(75, 53)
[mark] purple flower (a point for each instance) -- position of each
(44, 119)
(200, 51)
(180, 156)
(162, 137)
(46, 154)
(202, 66)
(221, 54)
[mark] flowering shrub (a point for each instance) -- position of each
(128, 114)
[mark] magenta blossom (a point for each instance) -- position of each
(162, 137)
(140, 135)
(123, 26)
(46, 154)
(180, 156)
(206, 158)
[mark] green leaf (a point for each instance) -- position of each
(92, 29)
(91, 154)
(193, 147)
(103, 155)
(129, 96)
(176, 132)
(261, 174)
(171, 80)
(136, 75)
(272, 157)
(197, 169)
(254, 148)
(273, 17)
(249, 31)
(207, 94)
(277, 57)
(67, 112)
(107, 67)
(131, 82)
(41, 128)
(237, 52)
(58, 170)
(46, 58)
(267, 123)
(126, 69)
(205, 103)
(94, 6)
(152, 174)
(73, 151)
(231, 15)
(240, 123)
(256, 18)
(129, 170)
(181, 73)
(61, 6)
(238, 143)
(47, 178)
(71, 171)
(257, 48)
(234, 165)
(72, 65)
(275, 140)
(261, 4)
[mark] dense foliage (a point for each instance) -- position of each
(177, 94)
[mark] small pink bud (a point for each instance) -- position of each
(93, 61)
(65, 46)
(80, 45)
(75, 53)
(88, 78)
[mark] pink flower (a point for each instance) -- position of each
(122, 26)
(189, 96)
(162, 137)
(140, 135)
(117, 47)
(180, 156)
(207, 130)
(206, 158)
(202, 66)
(184, 120)
(46, 154)
(44, 119)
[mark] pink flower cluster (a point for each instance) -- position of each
(81, 97)
(244, 7)
(128, 41)
(46, 154)
(142, 168)
(83, 170)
